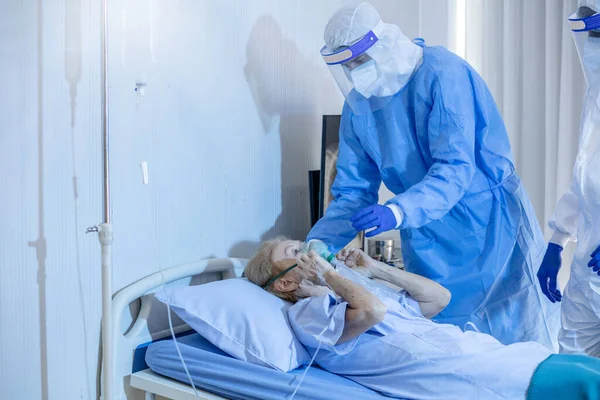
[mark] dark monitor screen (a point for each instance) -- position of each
(326, 175)
(314, 181)
(319, 181)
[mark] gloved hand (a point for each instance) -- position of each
(372, 216)
(548, 272)
(595, 261)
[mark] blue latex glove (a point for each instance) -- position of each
(373, 216)
(595, 261)
(548, 272)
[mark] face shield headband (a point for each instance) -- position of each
(584, 24)
(348, 53)
(585, 28)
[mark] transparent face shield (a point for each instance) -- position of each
(355, 69)
(585, 27)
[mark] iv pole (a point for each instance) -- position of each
(104, 230)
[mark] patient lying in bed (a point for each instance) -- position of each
(371, 323)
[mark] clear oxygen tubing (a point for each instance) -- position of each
(312, 360)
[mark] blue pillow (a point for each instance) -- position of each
(241, 319)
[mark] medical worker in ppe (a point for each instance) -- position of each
(577, 216)
(423, 121)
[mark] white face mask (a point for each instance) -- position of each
(363, 77)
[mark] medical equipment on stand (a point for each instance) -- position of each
(383, 250)
(104, 230)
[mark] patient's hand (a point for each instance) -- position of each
(356, 259)
(313, 266)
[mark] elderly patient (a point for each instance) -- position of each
(371, 323)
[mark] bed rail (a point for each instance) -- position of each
(124, 344)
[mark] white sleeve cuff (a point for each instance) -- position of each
(560, 238)
(397, 213)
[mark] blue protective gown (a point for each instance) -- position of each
(441, 146)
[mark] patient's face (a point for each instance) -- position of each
(287, 250)
(285, 255)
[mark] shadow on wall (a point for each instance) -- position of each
(40, 243)
(287, 92)
(73, 51)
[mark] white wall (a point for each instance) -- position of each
(48, 269)
(230, 124)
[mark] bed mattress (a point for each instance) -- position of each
(214, 371)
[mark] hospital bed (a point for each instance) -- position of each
(146, 364)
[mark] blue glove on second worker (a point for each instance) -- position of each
(595, 261)
(376, 215)
(548, 272)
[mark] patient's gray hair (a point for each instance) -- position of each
(260, 267)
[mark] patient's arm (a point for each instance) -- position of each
(364, 309)
(388, 284)
(432, 297)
